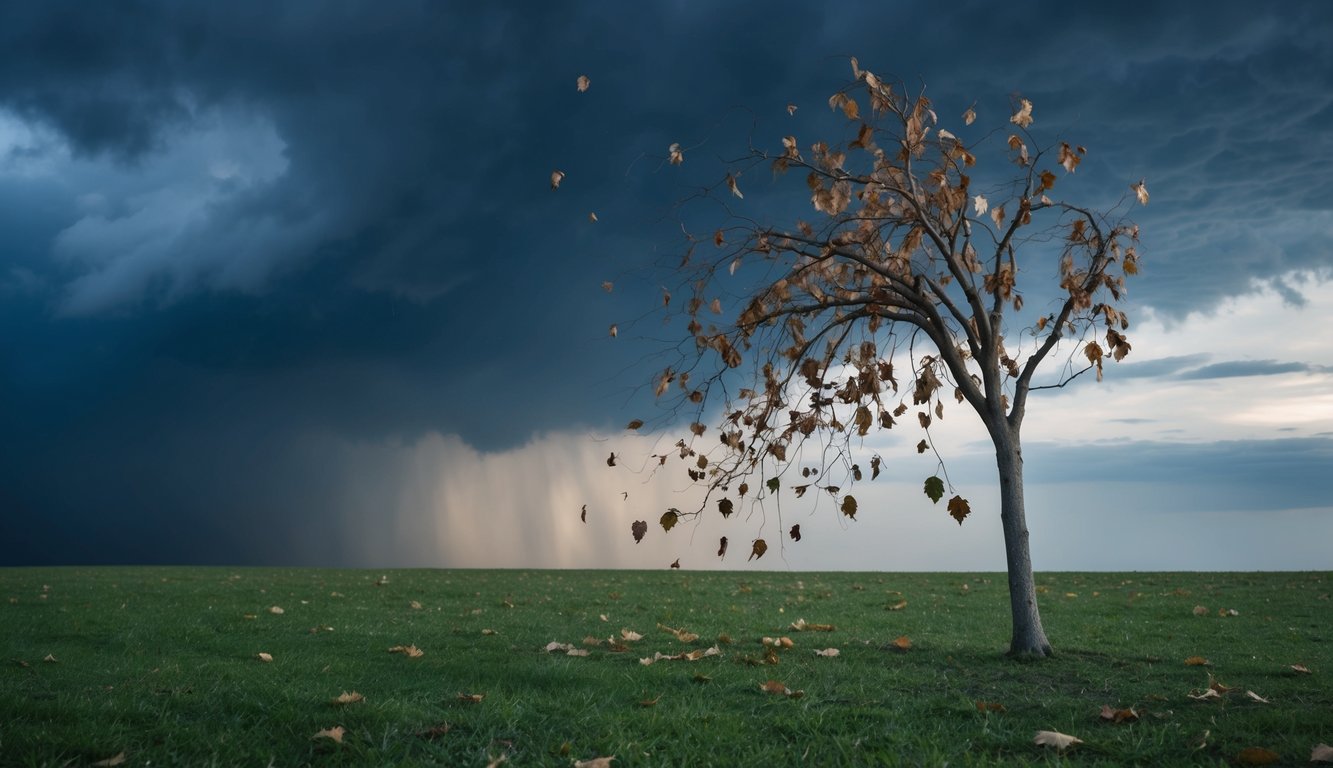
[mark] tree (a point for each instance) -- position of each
(904, 262)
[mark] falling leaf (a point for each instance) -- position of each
(1140, 191)
(334, 734)
(410, 651)
(275, 610)
(731, 184)
(1256, 697)
(583, 515)
(1023, 117)
(675, 563)
(1118, 715)
(898, 606)
(116, 759)
(1200, 610)
(1196, 661)
(1257, 756)
(829, 652)
(592, 216)
(934, 488)
(556, 178)
(1055, 739)
(1069, 159)
(638, 528)
(758, 549)
(722, 547)
(675, 155)
(1322, 753)
(264, 657)
(795, 532)
(471, 698)
(902, 643)
(349, 697)
(582, 83)
(959, 508)
(980, 205)
(613, 331)
(791, 109)
(611, 460)
(970, 115)
(596, 762)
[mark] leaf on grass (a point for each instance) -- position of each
(1257, 756)
(582, 83)
(1118, 715)
(1300, 669)
(576, 652)
(898, 606)
(645, 703)
(801, 625)
(1196, 661)
(275, 610)
(777, 688)
(556, 645)
(1200, 610)
(264, 657)
(50, 659)
(829, 652)
(934, 488)
(680, 634)
(1211, 693)
(901, 643)
(414, 605)
(471, 698)
(1055, 739)
(410, 651)
(990, 706)
(777, 642)
(116, 759)
(1322, 753)
(349, 697)
(638, 528)
(333, 734)
(596, 762)
(1227, 612)
(1256, 697)
(959, 508)
(757, 549)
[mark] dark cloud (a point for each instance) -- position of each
(1233, 368)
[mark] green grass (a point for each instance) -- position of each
(160, 663)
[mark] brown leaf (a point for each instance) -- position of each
(791, 109)
(414, 605)
(722, 547)
(1023, 117)
(556, 178)
(1200, 610)
(990, 706)
(680, 634)
(675, 155)
(898, 606)
(645, 703)
(1118, 715)
(583, 516)
(349, 697)
(611, 460)
(668, 519)
(959, 508)
(901, 643)
(675, 563)
(828, 652)
(596, 762)
(1205, 695)
(849, 506)
(275, 610)
(582, 83)
(731, 184)
(629, 635)
(1055, 739)
(1257, 756)
(334, 734)
(410, 651)
(1196, 661)
(50, 659)
(264, 657)
(795, 532)
(1256, 697)
(1322, 753)
(758, 549)
(614, 331)
(970, 115)
(777, 688)
(638, 528)
(592, 216)
(1300, 669)
(116, 759)
(556, 645)
(801, 625)
(1140, 191)
(471, 698)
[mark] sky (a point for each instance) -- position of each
(288, 285)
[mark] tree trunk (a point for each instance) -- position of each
(1028, 639)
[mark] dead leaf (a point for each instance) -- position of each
(1256, 697)
(1211, 693)
(731, 184)
(680, 634)
(414, 605)
(722, 547)
(265, 657)
(1257, 756)
(556, 645)
(795, 532)
(576, 652)
(582, 83)
(1140, 191)
(959, 508)
(1200, 610)
(596, 762)
(775, 687)
(614, 332)
(592, 216)
(349, 697)
(1118, 715)
(1300, 669)
(758, 549)
(471, 698)
(791, 109)
(645, 703)
(50, 659)
(335, 734)
(410, 651)
(1055, 739)
(1023, 117)
(489, 632)
(990, 706)
(1196, 661)
(829, 652)
(556, 178)
(901, 643)
(275, 610)
(801, 625)
(116, 759)
(898, 606)
(638, 528)
(970, 115)
(629, 635)
(675, 563)
(1322, 753)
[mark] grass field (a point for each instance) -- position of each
(160, 666)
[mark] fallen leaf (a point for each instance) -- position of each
(1257, 756)
(775, 687)
(1118, 715)
(556, 178)
(898, 606)
(629, 635)
(1300, 669)
(576, 652)
(416, 606)
(680, 634)
(275, 610)
(1055, 739)
(645, 703)
(902, 643)
(1208, 694)
(1322, 753)
(335, 734)
(265, 657)
(489, 632)
(990, 706)
(1196, 661)
(410, 651)
(722, 547)
(116, 759)
(1200, 610)
(596, 762)
(801, 625)
(471, 698)
(1256, 697)
(349, 697)
(829, 652)
(50, 659)
(582, 83)
(558, 646)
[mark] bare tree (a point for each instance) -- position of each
(905, 286)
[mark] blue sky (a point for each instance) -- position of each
(290, 286)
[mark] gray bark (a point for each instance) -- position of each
(1028, 639)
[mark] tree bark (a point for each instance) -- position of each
(1028, 639)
